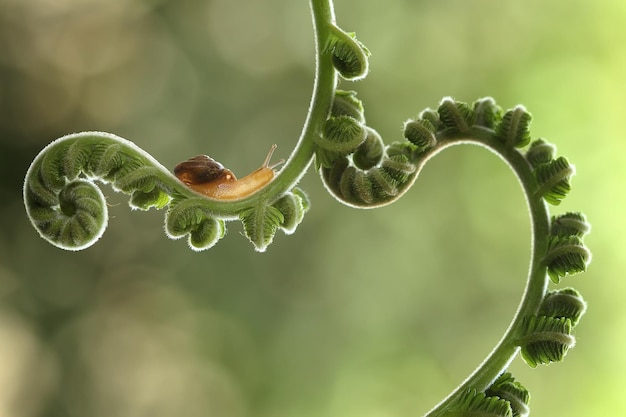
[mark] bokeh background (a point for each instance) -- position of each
(360, 313)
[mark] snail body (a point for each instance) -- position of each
(206, 176)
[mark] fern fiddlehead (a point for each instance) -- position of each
(68, 209)
(542, 328)
(358, 169)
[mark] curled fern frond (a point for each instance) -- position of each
(566, 256)
(370, 152)
(206, 234)
(540, 152)
(420, 133)
(190, 218)
(488, 113)
(546, 340)
(73, 219)
(144, 179)
(63, 202)
(456, 115)
(67, 208)
(432, 117)
(398, 168)
(374, 187)
(479, 404)
(346, 103)
(358, 169)
(145, 200)
(514, 130)
(553, 179)
(566, 302)
(570, 224)
(292, 206)
(459, 117)
(349, 56)
(340, 136)
(507, 388)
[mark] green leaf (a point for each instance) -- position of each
(292, 207)
(570, 224)
(370, 152)
(553, 179)
(566, 256)
(341, 134)
(478, 404)
(566, 302)
(346, 103)
(507, 388)
(206, 234)
(488, 113)
(260, 225)
(546, 340)
(514, 129)
(77, 222)
(456, 115)
(421, 133)
(146, 200)
(144, 178)
(540, 152)
(349, 56)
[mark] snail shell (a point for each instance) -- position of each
(202, 169)
(206, 176)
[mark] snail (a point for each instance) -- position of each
(206, 176)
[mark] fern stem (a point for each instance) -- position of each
(536, 286)
(319, 108)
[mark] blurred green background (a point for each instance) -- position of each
(360, 313)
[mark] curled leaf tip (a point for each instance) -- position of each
(421, 133)
(514, 129)
(346, 103)
(547, 339)
(188, 218)
(73, 220)
(475, 403)
(456, 116)
(340, 136)
(349, 56)
(566, 256)
(292, 206)
(540, 152)
(566, 302)
(377, 186)
(431, 116)
(488, 113)
(554, 180)
(570, 224)
(507, 388)
(370, 152)
(206, 234)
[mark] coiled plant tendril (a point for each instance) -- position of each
(69, 210)
(358, 169)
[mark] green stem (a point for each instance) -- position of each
(536, 286)
(506, 350)
(323, 93)
(321, 100)
(51, 197)
(70, 212)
